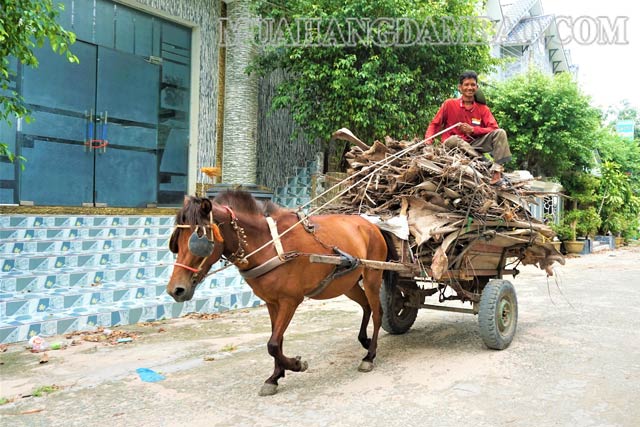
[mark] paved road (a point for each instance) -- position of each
(575, 361)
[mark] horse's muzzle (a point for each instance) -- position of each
(181, 294)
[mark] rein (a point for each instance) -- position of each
(240, 256)
(379, 165)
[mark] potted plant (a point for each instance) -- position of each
(570, 222)
(583, 223)
(613, 224)
(563, 233)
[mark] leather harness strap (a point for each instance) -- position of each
(266, 267)
(273, 228)
(348, 264)
(274, 262)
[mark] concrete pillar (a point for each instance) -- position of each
(241, 98)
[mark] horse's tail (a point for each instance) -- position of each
(392, 252)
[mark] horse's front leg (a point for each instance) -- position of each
(281, 315)
(278, 369)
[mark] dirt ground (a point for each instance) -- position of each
(575, 361)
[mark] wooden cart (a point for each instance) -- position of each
(475, 274)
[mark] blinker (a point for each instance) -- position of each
(200, 246)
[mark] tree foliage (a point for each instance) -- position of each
(25, 25)
(554, 132)
(552, 127)
(372, 86)
(619, 207)
(619, 190)
(624, 111)
(624, 153)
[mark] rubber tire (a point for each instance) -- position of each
(395, 320)
(498, 314)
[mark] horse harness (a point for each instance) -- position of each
(203, 246)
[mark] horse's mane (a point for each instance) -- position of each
(242, 201)
(239, 201)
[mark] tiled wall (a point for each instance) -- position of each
(60, 274)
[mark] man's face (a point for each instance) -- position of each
(468, 87)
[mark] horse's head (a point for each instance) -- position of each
(198, 244)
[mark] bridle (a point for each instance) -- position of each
(216, 237)
(239, 255)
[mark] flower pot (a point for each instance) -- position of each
(557, 245)
(574, 246)
(619, 242)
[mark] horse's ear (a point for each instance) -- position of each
(205, 207)
(186, 200)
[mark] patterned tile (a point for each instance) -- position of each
(60, 274)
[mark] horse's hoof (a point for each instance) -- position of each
(268, 389)
(303, 364)
(365, 366)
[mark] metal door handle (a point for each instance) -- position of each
(89, 130)
(97, 141)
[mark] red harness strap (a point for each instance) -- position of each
(186, 267)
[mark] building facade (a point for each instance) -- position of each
(130, 123)
(526, 37)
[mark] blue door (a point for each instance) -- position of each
(93, 140)
(59, 170)
(112, 130)
(126, 165)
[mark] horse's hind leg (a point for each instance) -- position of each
(357, 294)
(371, 281)
(281, 315)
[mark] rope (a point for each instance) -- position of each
(382, 163)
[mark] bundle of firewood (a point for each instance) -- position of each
(445, 194)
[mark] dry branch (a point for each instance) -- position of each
(449, 202)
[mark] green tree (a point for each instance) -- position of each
(624, 111)
(624, 153)
(553, 130)
(371, 85)
(25, 25)
(619, 206)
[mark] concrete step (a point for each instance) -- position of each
(64, 273)
(32, 281)
(69, 262)
(21, 234)
(21, 328)
(81, 221)
(64, 246)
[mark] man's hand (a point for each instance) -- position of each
(466, 128)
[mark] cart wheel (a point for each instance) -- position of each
(498, 314)
(396, 318)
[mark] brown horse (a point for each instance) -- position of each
(245, 231)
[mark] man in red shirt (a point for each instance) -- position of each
(477, 126)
